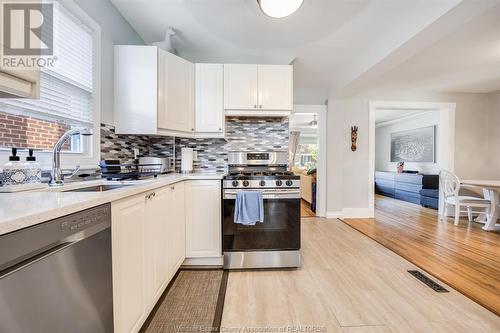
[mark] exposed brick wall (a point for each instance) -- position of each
(28, 132)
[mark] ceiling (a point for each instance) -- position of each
(333, 44)
(467, 60)
(301, 122)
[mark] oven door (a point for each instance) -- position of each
(279, 232)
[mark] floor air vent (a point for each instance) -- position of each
(435, 286)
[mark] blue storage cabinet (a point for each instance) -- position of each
(407, 186)
(385, 183)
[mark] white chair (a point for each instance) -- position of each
(450, 185)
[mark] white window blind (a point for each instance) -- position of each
(65, 89)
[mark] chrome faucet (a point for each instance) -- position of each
(57, 178)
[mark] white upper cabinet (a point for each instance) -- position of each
(176, 91)
(275, 87)
(241, 87)
(136, 89)
(267, 89)
(209, 99)
(159, 93)
(154, 92)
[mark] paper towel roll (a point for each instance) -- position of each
(187, 159)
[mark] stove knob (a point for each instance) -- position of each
(279, 183)
(289, 183)
(235, 183)
(245, 183)
(262, 183)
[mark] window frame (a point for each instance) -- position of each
(90, 155)
(298, 154)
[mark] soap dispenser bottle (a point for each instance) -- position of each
(14, 171)
(34, 171)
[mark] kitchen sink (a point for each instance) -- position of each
(98, 188)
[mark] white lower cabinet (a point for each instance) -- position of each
(203, 220)
(176, 229)
(128, 250)
(148, 246)
(156, 231)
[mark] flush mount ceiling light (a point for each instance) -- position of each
(314, 123)
(279, 8)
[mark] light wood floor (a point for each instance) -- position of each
(305, 209)
(348, 283)
(465, 256)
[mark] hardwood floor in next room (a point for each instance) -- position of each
(347, 283)
(465, 256)
(305, 209)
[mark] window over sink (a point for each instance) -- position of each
(69, 94)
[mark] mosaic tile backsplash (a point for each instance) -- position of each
(121, 147)
(242, 134)
(256, 134)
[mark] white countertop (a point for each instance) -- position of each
(23, 209)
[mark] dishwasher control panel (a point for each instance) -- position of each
(86, 219)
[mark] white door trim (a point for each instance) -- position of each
(447, 121)
(321, 174)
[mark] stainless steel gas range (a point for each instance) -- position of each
(274, 243)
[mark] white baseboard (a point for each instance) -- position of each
(351, 213)
(334, 215)
(215, 261)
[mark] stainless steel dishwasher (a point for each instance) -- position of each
(56, 276)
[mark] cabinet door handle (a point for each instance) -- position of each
(172, 188)
(192, 129)
(220, 129)
(260, 106)
(255, 106)
(153, 194)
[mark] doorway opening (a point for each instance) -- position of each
(409, 143)
(307, 156)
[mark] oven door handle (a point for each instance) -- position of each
(268, 195)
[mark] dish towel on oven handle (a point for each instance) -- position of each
(249, 208)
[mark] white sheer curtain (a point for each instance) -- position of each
(292, 147)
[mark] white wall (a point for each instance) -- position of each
(309, 96)
(494, 135)
(348, 187)
(383, 142)
(114, 30)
